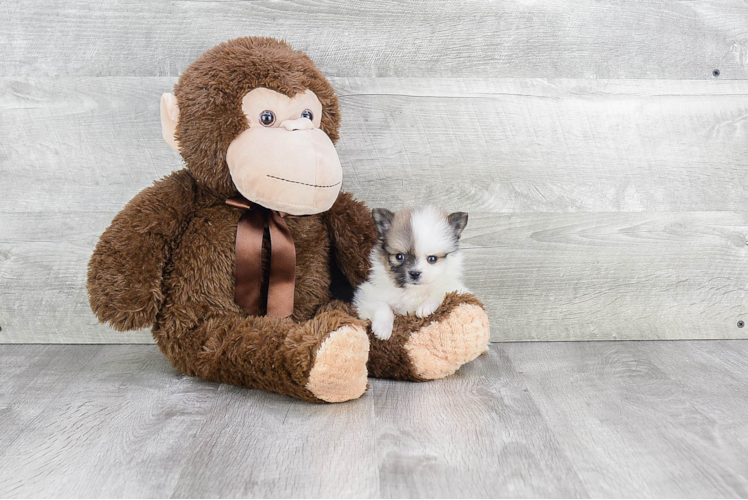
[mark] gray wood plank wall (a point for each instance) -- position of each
(602, 162)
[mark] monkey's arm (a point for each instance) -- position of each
(353, 235)
(125, 271)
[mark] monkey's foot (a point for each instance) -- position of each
(339, 371)
(439, 349)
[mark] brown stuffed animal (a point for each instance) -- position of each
(255, 120)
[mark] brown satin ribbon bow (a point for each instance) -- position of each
(249, 233)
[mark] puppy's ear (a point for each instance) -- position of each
(458, 221)
(383, 221)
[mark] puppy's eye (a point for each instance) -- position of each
(267, 118)
(432, 259)
(399, 257)
(307, 114)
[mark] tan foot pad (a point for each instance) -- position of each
(439, 349)
(339, 372)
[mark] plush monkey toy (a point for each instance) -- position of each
(231, 260)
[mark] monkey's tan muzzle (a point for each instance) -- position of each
(293, 168)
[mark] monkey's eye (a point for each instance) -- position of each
(432, 259)
(399, 257)
(267, 118)
(307, 114)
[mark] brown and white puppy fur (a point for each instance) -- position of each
(416, 263)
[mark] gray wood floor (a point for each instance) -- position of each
(632, 419)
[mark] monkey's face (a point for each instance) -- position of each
(284, 161)
(255, 116)
(281, 159)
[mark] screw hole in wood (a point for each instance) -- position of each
(741, 324)
(715, 73)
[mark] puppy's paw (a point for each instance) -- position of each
(382, 327)
(427, 308)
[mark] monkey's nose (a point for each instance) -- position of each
(298, 124)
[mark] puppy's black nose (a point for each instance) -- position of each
(415, 274)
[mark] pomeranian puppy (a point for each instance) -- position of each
(416, 263)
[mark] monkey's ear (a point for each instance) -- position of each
(169, 119)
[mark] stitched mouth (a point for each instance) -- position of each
(304, 183)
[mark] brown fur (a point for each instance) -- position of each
(167, 260)
(210, 92)
(388, 358)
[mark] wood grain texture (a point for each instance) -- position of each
(709, 376)
(426, 432)
(43, 268)
(319, 451)
(542, 276)
(124, 416)
(630, 428)
(580, 39)
(610, 276)
(601, 419)
(480, 145)
(550, 146)
(575, 225)
(96, 141)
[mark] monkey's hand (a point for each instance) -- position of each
(125, 271)
(353, 235)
